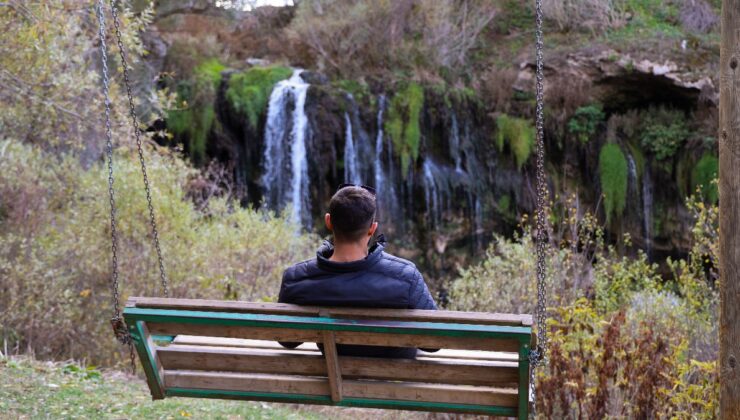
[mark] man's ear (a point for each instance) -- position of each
(327, 220)
(373, 228)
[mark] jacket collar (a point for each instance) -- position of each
(327, 249)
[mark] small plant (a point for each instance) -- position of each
(613, 174)
(403, 123)
(585, 122)
(704, 175)
(519, 134)
(249, 91)
(663, 131)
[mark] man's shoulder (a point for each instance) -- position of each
(299, 270)
(398, 267)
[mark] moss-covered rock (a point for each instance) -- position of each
(249, 91)
(402, 124)
(703, 176)
(194, 115)
(519, 134)
(613, 174)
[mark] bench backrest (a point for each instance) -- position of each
(201, 348)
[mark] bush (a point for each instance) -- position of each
(588, 15)
(55, 249)
(249, 91)
(663, 131)
(519, 134)
(585, 122)
(704, 175)
(402, 124)
(639, 346)
(357, 37)
(613, 175)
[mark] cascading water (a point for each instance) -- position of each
(285, 179)
(633, 190)
(351, 165)
(647, 209)
(455, 143)
(379, 148)
(431, 192)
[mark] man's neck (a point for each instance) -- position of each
(348, 252)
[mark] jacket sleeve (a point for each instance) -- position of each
(282, 299)
(420, 298)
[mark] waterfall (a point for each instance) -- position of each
(647, 209)
(285, 177)
(379, 148)
(351, 166)
(633, 191)
(431, 193)
(455, 143)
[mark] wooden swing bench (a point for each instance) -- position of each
(222, 349)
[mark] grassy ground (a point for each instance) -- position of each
(46, 390)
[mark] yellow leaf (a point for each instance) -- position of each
(85, 293)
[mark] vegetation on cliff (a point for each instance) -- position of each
(519, 134)
(403, 125)
(248, 92)
(193, 116)
(613, 176)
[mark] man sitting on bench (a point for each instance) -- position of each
(347, 273)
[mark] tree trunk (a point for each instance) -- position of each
(729, 211)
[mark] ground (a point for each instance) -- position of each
(32, 389)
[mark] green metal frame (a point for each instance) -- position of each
(137, 317)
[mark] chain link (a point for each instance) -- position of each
(539, 355)
(137, 135)
(119, 328)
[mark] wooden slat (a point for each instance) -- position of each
(255, 382)
(333, 370)
(288, 362)
(199, 340)
(460, 394)
(342, 337)
(414, 315)
(239, 342)
(425, 341)
(271, 334)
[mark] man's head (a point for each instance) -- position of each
(351, 216)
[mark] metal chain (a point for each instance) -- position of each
(539, 355)
(119, 328)
(137, 135)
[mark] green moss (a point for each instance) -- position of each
(663, 131)
(194, 115)
(403, 125)
(585, 122)
(519, 134)
(613, 174)
(249, 91)
(703, 176)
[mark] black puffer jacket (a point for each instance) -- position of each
(380, 280)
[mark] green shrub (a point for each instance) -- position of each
(704, 175)
(57, 213)
(194, 116)
(641, 346)
(663, 131)
(402, 124)
(249, 91)
(613, 174)
(519, 134)
(585, 122)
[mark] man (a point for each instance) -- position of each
(347, 273)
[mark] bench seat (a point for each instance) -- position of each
(224, 349)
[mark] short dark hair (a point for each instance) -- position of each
(352, 211)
